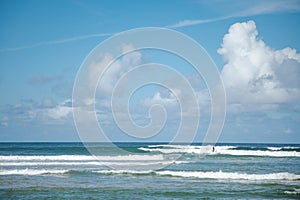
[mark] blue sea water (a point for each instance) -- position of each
(149, 171)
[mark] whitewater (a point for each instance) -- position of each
(167, 171)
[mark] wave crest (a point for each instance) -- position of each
(224, 150)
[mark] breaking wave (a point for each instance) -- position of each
(83, 158)
(32, 171)
(210, 175)
(231, 175)
(225, 150)
(93, 163)
(182, 174)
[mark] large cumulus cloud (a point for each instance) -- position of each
(255, 73)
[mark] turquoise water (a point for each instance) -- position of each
(149, 171)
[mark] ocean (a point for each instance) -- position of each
(149, 171)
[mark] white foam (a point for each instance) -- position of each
(175, 146)
(295, 191)
(82, 158)
(274, 148)
(210, 175)
(31, 172)
(185, 174)
(186, 149)
(49, 158)
(124, 171)
(95, 163)
(291, 147)
(222, 150)
(260, 153)
(230, 175)
(281, 148)
(192, 147)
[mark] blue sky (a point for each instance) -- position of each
(255, 46)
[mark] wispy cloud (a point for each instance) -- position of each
(257, 8)
(187, 22)
(268, 7)
(61, 41)
(260, 8)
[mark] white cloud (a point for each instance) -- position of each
(245, 10)
(59, 112)
(52, 42)
(188, 22)
(108, 80)
(169, 101)
(256, 73)
(158, 99)
(50, 113)
(266, 7)
(257, 8)
(116, 70)
(45, 112)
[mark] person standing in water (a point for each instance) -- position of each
(213, 149)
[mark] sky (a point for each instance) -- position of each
(254, 45)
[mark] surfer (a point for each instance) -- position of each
(213, 149)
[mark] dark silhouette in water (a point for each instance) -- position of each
(213, 149)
